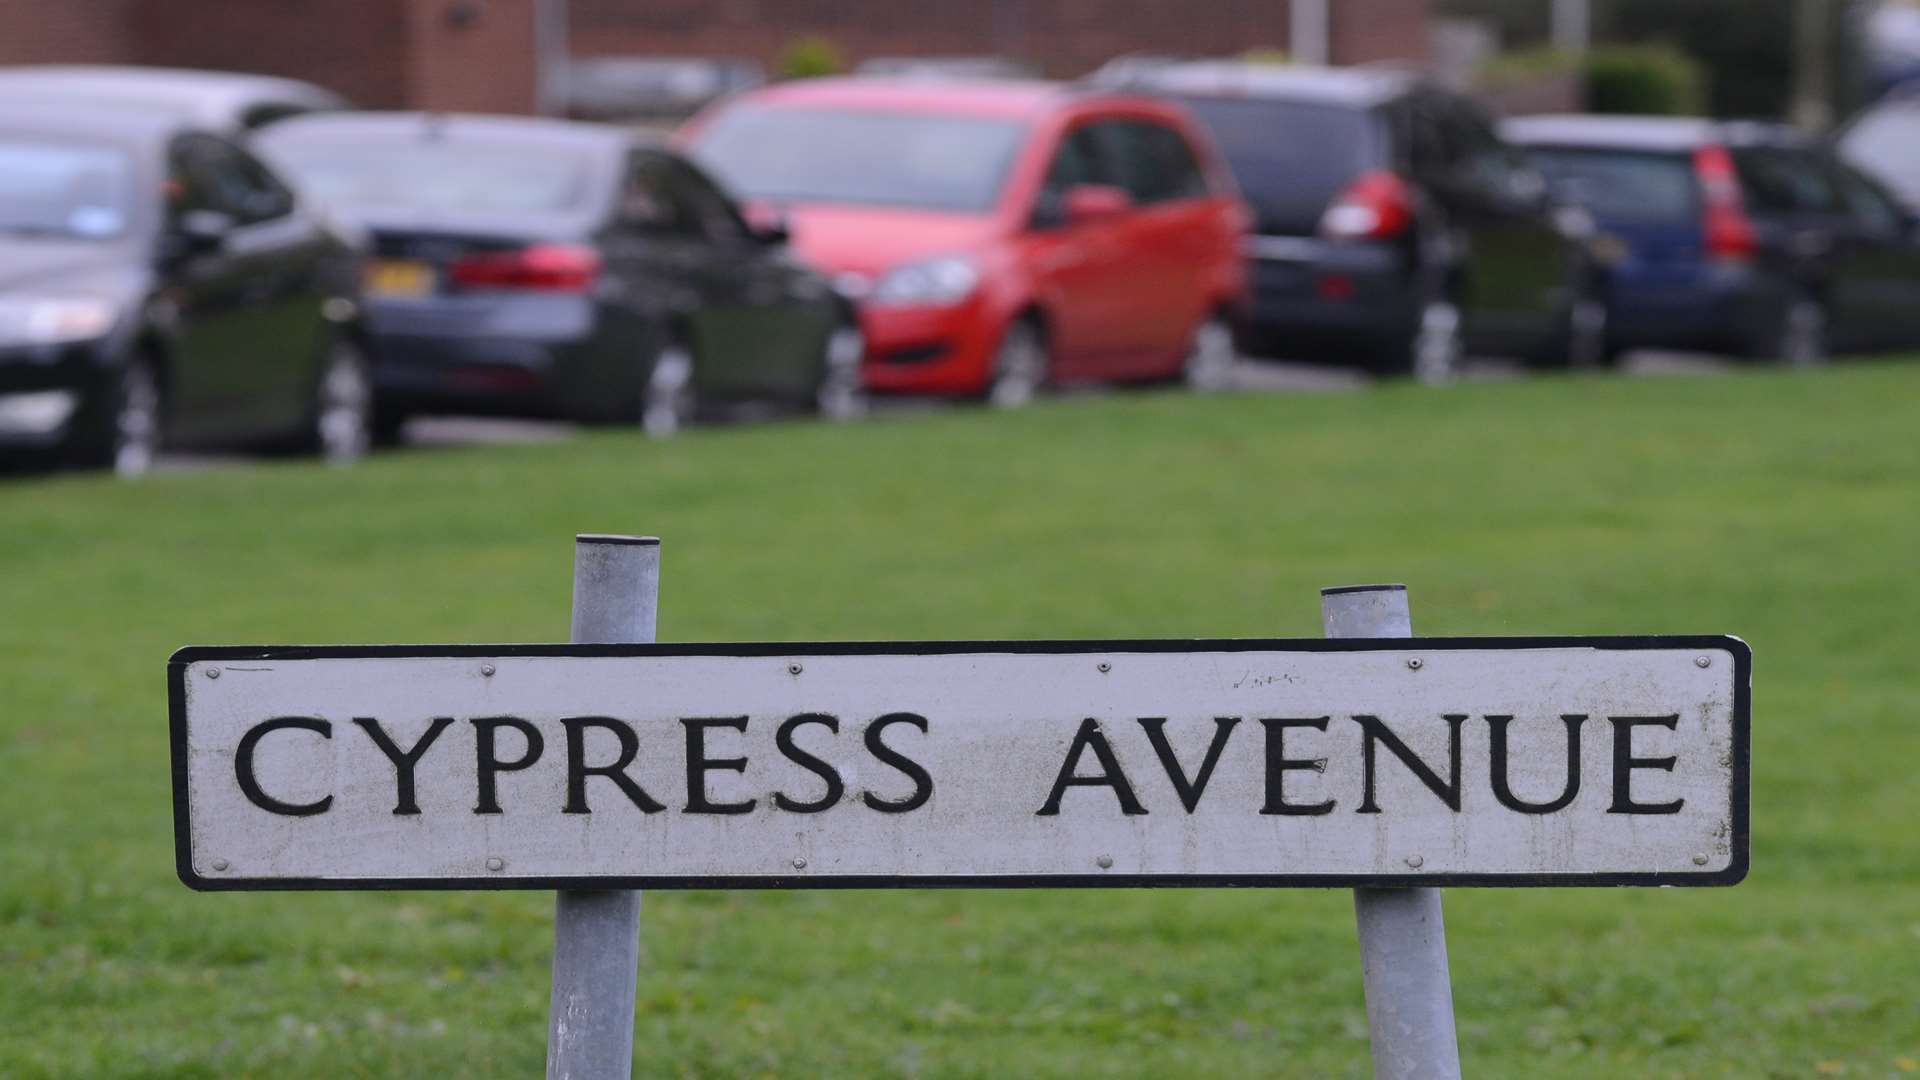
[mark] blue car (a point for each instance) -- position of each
(1741, 238)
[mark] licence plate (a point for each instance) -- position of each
(398, 277)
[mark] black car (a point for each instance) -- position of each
(158, 284)
(1736, 237)
(551, 268)
(1391, 220)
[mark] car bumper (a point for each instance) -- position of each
(1319, 289)
(52, 397)
(505, 358)
(945, 350)
(1707, 306)
(501, 377)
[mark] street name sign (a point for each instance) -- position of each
(1346, 762)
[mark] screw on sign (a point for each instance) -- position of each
(1360, 760)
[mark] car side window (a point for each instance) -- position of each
(209, 173)
(708, 205)
(1432, 147)
(1478, 157)
(1153, 162)
(650, 202)
(1077, 160)
(1785, 182)
(1872, 209)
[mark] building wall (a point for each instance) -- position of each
(1370, 31)
(63, 31)
(1061, 37)
(354, 47)
(470, 55)
(479, 55)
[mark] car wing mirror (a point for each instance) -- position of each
(199, 232)
(773, 233)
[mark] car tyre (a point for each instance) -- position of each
(1211, 357)
(389, 426)
(1432, 352)
(132, 438)
(343, 408)
(1801, 338)
(842, 395)
(1020, 366)
(669, 402)
(1581, 344)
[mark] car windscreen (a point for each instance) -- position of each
(1291, 158)
(50, 187)
(435, 174)
(916, 160)
(1886, 143)
(1623, 185)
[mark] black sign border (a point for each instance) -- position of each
(1732, 874)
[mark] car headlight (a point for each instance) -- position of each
(53, 320)
(945, 280)
(40, 412)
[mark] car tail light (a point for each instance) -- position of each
(1728, 231)
(1376, 206)
(541, 268)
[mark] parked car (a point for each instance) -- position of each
(159, 285)
(1744, 238)
(998, 236)
(952, 68)
(1391, 222)
(1884, 142)
(553, 268)
(652, 89)
(225, 102)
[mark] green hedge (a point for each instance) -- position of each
(810, 57)
(1657, 80)
(1645, 80)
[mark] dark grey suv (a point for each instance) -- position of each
(1393, 225)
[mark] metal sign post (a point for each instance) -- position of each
(1403, 939)
(596, 932)
(1366, 760)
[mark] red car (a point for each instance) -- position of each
(997, 237)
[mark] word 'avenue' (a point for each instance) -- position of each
(1520, 761)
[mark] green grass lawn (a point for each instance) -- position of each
(1781, 507)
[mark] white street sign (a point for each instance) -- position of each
(1530, 761)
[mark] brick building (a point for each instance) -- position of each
(1061, 37)
(480, 55)
(471, 55)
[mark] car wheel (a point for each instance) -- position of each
(1432, 352)
(1581, 343)
(842, 396)
(136, 419)
(389, 426)
(1211, 357)
(670, 400)
(1019, 366)
(1802, 338)
(343, 407)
